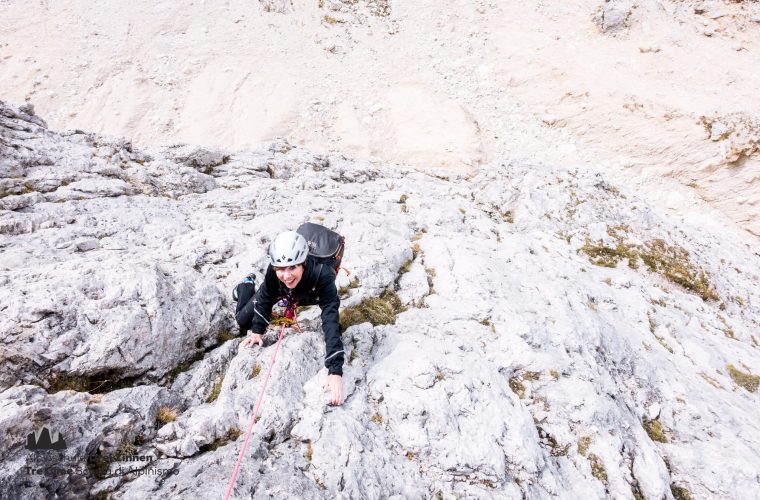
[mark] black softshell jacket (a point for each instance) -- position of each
(317, 286)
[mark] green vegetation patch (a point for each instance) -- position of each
(583, 444)
(377, 310)
(597, 468)
(231, 435)
(655, 430)
(184, 366)
(679, 492)
(673, 263)
(353, 284)
(215, 391)
(95, 384)
(223, 336)
(743, 379)
(602, 255)
(100, 464)
(670, 261)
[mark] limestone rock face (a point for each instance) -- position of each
(614, 14)
(553, 334)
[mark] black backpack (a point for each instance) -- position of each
(325, 246)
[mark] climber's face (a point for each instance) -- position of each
(289, 275)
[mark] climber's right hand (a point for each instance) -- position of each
(254, 338)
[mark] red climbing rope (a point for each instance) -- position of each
(255, 413)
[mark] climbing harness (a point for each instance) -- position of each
(290, 313)
(288, 318)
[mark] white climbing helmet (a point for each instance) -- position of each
(288, 249)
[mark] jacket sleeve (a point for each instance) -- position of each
(263, 301)
(329, 303)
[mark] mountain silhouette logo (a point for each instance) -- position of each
(45, 439)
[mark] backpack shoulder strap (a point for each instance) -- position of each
(319, 273)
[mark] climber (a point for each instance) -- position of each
(297, 278)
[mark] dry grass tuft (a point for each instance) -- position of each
(743, 379)
(377, 310)
(166, 415)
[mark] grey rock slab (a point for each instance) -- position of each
(520, 368)
(614, 14)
